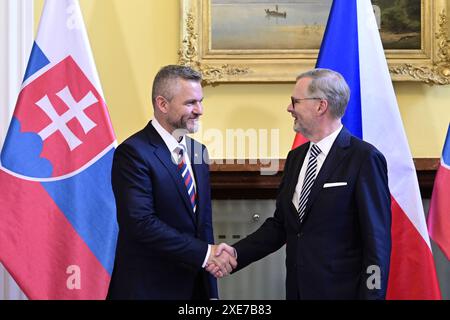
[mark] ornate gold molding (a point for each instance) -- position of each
(188, 56)
(439, 71)
(430, 63)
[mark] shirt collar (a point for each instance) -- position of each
(171, 143)
(326, 143)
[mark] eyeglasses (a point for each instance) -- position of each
(297, 100)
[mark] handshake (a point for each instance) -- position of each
(222, 260)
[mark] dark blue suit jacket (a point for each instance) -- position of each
(162, 243)
(346, 229)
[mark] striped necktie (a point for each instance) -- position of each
(187, 178)
(310, 176)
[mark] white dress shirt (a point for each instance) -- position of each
(173, 145)
(325, 145)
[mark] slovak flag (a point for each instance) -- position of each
(352, 46)
(439, 214)
(58, 226)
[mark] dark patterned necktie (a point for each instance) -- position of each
(310, 176)
(187, 178)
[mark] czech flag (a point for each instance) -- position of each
(58, 226)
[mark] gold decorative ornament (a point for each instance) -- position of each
(188, 56)
(429, 63)
(439, 71)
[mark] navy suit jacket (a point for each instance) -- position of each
(162, 243)
(346, 229)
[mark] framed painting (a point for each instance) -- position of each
(274, 40)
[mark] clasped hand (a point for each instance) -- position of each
(222, 260)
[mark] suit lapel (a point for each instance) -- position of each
(164, 155)
(298, 155)
(195, 156)
(337, 153)
(298, 160)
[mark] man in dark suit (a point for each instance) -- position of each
(160, 179)
(333, 207)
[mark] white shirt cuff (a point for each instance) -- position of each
(207, 256)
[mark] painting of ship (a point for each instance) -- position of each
(275, 13)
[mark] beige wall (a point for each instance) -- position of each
(131, 39)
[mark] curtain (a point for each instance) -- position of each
(16, 39)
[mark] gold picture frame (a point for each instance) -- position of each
(429, 62)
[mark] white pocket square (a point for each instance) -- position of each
(334, 184)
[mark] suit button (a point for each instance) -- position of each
(300, 234)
